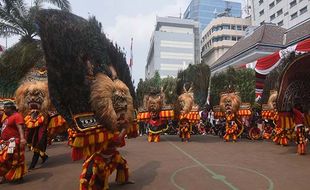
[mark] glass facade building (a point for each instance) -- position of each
(204, 11)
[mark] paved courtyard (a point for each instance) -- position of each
(205, 163)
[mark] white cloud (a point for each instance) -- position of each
(140, 27)
(128, 23)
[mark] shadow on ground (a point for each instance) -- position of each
(142, 177)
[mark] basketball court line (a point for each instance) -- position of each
(215, 176)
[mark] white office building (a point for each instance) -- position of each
(284, 13)
(172, 46)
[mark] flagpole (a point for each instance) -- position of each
(131, 57)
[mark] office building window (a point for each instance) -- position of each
(278, 1)
(234, 38)
(226, 37)
(233, 27)
(293, 3)
(303, 10)
(280, 12)
(261, 1)
(280, 23)
(293, 16)
(271, 5)
(245, 27)
(261, 12)
(227, 27)
(239, 27)
(272, 17)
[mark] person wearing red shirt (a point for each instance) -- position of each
(12, 143)
(300, 129)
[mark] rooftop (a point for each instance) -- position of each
(267, 35)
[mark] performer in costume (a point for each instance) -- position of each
(12, 143)
(33, 102)
(269, 117)
(281, 134)
(299, 120)
(267, 129)
(156, 124)
(185, 131)
(230, 103)
(2, 114)
(186, 103)
(99, 110)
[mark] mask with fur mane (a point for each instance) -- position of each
(154, 104)
(33, 96)
(230, 102)
(111, 101)
(79, 69)
(186, 100)
(272, 100)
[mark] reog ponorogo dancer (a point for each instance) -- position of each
(85, 74)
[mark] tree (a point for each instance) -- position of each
(169, 85)
(198, 76)
(145, 87)
(242, 81)
(16, 18)
(140, 92)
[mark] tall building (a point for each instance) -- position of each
(220, 35)
(172, 46)
(284, 13)
(204, 11)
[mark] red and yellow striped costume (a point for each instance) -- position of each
(268, 129)
(156, 126)
(12, 166)
(98, 148)
(284, 123)
(101, 166)
(36, 133)
(231, 128)
(185, 133)
(267, 132)
(57, 125)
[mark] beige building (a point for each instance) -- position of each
(220, 35)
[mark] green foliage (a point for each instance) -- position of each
(198, 76)
(16, 18)
(169, 85)
(145, 87)
(242, 81)
(15, 64)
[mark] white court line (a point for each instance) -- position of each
(215, 176)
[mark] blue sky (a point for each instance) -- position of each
(126, 19)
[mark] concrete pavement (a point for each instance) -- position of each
(204, 163)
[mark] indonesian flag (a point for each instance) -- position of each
(265, 65)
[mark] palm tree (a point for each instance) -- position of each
(17, 18)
